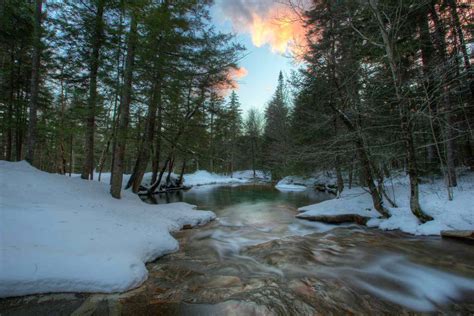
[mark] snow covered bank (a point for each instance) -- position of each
(202, 177)
(282, 186)
(198, 178)
(457, 214)
(320, 180)
(61, 234)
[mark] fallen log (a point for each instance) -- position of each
(462, 235)
(162, 190)
(336, 219)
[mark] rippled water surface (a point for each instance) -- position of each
(265, 259)
(258, 259)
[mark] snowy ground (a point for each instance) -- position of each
(61, 234)
(457, 214)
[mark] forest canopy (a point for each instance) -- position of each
(129, 87)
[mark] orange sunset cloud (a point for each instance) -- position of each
(268, 22)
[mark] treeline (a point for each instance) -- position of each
(386, 85)
(116, 85)
(132, 86)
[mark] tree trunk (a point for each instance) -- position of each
(119, 69)
(253, 158)
(448, 109)
(88, 166)
(404, 114)
(124, 111)
(429, 64)
(156, 160)
(340, 180)
(170, 169)
(11, 105)
(35, 78)
(351, 173)
(103, 158)
(62, 151)
(147, 144)
(157, 182)
(71, 156)
(462, 42)
(181, 174)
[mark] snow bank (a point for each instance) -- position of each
(457, 214)
(202, 177)
(248, 174)
(297, 183)
(293, 183)
(290, 187)
(198, 178)
(61, 234)
(352, 201)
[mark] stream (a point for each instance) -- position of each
(258, 259)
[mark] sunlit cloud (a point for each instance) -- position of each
(232, 81)
(238, 73)
(269, 22)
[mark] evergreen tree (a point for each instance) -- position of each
(253, 126)
(276, 133)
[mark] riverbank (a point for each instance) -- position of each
(197, 178)
(457, 214)
(61, 234)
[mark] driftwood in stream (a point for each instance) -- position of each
(462, 235)
(144, 190)
(336, 219)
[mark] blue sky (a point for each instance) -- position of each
(263, 65)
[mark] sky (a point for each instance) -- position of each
(269, 31)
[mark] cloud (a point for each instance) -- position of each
(238, 73)
(268, 22)
(232, 80)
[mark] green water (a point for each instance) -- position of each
(218, 197)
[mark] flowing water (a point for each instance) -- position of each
(258, 259)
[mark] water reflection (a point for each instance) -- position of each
(216, 197)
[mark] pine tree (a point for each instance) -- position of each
(254, 129)
(276, 133)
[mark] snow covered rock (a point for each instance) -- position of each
(61, 234)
